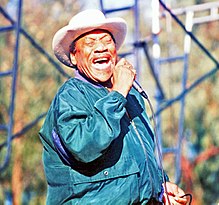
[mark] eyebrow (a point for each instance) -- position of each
(84, 34)
(93, 38)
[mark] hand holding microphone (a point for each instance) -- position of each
(124, 78)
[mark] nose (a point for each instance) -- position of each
(100, 47)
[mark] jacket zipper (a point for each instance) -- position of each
(145, 153)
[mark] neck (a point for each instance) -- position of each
(81, 76)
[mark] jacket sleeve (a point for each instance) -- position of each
(87, 129)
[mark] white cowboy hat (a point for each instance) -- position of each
(84, 22)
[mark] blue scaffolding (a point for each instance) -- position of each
(15, 20)
(154, 61)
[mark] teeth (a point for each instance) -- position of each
(100, 59)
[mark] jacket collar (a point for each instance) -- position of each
(83, 78)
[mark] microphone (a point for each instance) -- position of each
(137, 87)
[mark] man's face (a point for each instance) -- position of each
(95, 55)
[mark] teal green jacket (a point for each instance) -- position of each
(109, 144)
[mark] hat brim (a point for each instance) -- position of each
(66, 35)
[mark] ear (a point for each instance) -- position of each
(73, 59)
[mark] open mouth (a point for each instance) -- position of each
(103, 60)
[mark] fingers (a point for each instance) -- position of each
(174, 195)
(123, 76)
(181, 200)
(175, 200)
(123, 63)
(172, 200)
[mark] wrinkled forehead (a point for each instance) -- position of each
(95, 32)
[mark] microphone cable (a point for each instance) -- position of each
(146, 96)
